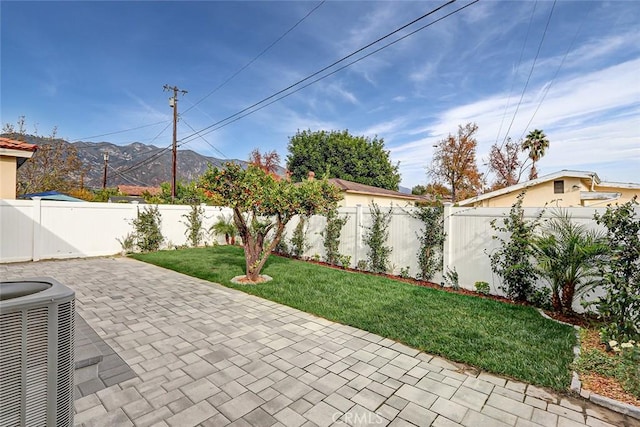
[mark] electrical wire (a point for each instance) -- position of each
(513, 80)
(117, 132)
(524, 89)
(209, 129)
(325, 68)
(546, 90)
(224, 156)
(255, 58)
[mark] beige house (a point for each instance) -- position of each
(360, 194)
(565, 188)
(12, 155)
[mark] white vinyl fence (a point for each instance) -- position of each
(35, 229)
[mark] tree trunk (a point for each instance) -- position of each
(568, 290)
(555, 301)
(226, 238)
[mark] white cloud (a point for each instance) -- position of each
(589, 119)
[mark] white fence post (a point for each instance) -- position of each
(448, 240)
(358, 243)
(37, 229)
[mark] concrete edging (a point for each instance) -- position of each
(576, 384)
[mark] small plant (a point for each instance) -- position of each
(451, 278)
(404, 272)
(541, 297)
(331, 235)
(362, 265)
(345, 261)
(225, 227)
(483, 288)
(316, 257)
(299, 238)
(621, 272)
(375, 238)
(513, 261)
(193, 221)
(281, 248)
(148, 236)
(128, 243)
(431, 240)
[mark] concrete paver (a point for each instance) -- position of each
(207, 355)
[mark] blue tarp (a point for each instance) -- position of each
(51, 195)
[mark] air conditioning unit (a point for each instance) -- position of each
(36, 353)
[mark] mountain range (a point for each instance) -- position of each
(140, 164)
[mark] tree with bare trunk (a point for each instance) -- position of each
(504, 162)
(263, 205)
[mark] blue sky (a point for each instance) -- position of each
(92, 68)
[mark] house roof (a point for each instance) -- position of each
(12, 144)
(357, 188)
(135, 190)
(531, 183)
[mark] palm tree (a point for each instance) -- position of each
(566, 253)
(225, 227)
(536, 143)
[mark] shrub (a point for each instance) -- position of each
(451, 278)
(331, 235)
(148, 236)
(431, 239)
(375, 238)
(513, 260)
(483, 288)
(193, 221)
(299, 238)
(621, 273)
(404, 272)
(225, 227)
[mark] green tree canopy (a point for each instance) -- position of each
(342, 155)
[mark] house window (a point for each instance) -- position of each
(558, 187)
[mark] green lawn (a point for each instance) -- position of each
(502, 338)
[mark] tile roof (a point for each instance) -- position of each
(135, 190)
(12, 144)
(354, 187)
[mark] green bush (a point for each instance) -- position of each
(431, 240)
(193, 221)
(483, 288)
(621, 273)
(331, 235)
(376, 238)
(513, 261)
(148, 236)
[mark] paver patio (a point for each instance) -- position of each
(212, 356)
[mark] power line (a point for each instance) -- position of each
(117, 131)
(524, 89)
(224, 156)
(546, 90)
(327, 67)
(255, 58)
(513, 81)
(237, 117)
(151, 157)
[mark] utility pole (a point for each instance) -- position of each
(104, 175)
(173, 103)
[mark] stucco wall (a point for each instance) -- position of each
(7, 177)
(541, 194)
